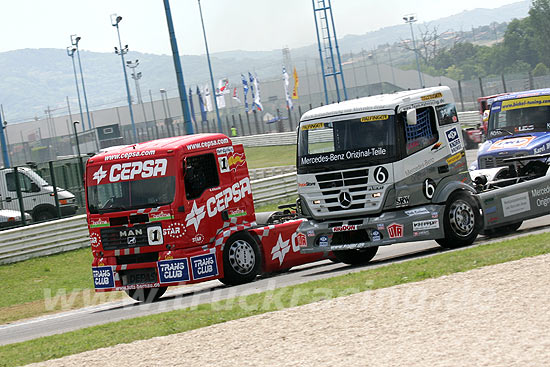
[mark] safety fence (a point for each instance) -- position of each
(68, 234)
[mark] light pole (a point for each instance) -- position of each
(78, 150)
(74, 42)
(70, 52)
(165, 93)
(136, 76)
(5, 155)
(162, 92)
(115, 19)
(210, 69)
(411, 18)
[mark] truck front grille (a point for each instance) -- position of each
(498, 161)
(354, 181)
(116, 238)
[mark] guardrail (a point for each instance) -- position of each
(67, 234)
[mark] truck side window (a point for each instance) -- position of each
(24, 182)
(446, 114)
(201, 173)
(424, 133)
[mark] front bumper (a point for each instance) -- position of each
(404, 225)
(173, 268)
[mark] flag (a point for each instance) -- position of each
(236, 95)
(295, 90)
(287, 95)
(251, 78)
(220, 98)
(191, 105)
(208, 99)
(223, 85)
(201, 104)
(245, 90)
(257, 101)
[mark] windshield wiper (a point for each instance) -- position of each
(503, 130)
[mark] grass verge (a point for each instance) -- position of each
(260, 157)
(56, 346)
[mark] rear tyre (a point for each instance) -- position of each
(356, 257)
(461, 221)
(146, 295)
(241, 259)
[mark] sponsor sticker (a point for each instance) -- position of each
(204, 266)
(301, 240)
(315, 126)
(323, 241)
(491, 210)
(224, 150)
(95, 223)
(374, 118)
(436, 146)
(515, 204)
(453, 138)
(519, 142)
(103, 277)
(173, 270)
(380, 226)
(426, 224)
(514, 104)
(455, 158)
(432, 96)
(395, 230)
(402, 201)
(376, 236)
(417, 211)
(153, 217)
(306, 184)
(311, 233)
(344, 228)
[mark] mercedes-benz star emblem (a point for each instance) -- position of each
(345, 199)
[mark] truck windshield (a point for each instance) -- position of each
(507, 119)
(367, 140)
(126, 195)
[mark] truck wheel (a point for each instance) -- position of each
(146, 295)
(460, 221)
(241, 259)
(356, 257)
(502, 231)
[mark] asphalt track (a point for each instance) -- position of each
(192, 295)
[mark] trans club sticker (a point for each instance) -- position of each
(204, 266)
(173, 271)
(103, 277)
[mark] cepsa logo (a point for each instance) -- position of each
(132, 170)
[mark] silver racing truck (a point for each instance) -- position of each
(392, 168)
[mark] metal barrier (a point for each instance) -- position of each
(43, 239)
(67, 234)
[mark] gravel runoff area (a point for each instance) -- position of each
(493, 316)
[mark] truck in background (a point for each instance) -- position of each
(37, 194)
(180, 210)
(391, 168)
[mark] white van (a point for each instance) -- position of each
(38, 196)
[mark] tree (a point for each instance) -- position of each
(539, 15)
(540, 70)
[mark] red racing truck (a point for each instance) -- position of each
(180, 210)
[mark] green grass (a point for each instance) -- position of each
(187, 319)
(261, 157)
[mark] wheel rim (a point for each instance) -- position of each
(461, 218)
(242, 257)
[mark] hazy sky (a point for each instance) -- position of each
(230, 24)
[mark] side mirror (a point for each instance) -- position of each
(34, 187)
(411, 116)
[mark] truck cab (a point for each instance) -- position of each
(519, 125)
(381, 170)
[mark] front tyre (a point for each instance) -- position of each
(356, 257)
(241, 259)
(461, 221)
(146, 295)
